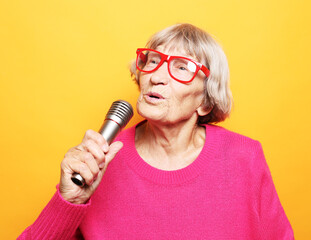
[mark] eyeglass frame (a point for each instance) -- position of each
(168, 58)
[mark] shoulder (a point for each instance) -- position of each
(228, 137)
(234, 147)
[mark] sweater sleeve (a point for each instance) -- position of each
(274, 223)
(58, 220)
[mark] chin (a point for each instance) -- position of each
(150, 113)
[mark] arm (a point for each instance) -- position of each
(64, 213)
(273, 220)
(58, 220)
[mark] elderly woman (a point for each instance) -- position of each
(177, 175)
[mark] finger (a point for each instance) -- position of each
(84, 170)
(93, 166)
(88, 159)
(98, 138)
(95, 150)
(113, 150)
(80, 156)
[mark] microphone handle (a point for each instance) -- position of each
(109, 131)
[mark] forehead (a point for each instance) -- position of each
(176, 49)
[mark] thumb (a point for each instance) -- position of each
(114, 148)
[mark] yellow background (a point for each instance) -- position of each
(62, 63)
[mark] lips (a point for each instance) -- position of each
(153, 98)
(154, 95)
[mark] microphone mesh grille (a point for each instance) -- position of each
(120, 111)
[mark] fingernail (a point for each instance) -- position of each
(101, 165)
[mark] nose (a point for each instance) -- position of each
(161, 75)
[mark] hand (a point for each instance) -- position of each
(90, 159)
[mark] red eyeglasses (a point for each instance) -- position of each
(181, 69)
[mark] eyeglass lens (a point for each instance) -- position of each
(180, 68)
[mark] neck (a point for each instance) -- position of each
(170, 146)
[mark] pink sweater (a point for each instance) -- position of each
(226, 193)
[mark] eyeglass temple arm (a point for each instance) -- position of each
(205, 70)
(142, 56)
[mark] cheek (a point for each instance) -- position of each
(198, 90)
(189, 93)
(143, 84)
(140, 98)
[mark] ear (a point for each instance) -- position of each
(202, 111)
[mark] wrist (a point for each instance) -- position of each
(71, 197)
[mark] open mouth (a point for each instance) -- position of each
(154, 95)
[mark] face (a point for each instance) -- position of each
(167, 101)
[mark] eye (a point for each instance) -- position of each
(180, 65)
(184, 65)
(153, 59)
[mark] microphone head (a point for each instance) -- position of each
(121, 112)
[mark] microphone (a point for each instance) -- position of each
(117, 117)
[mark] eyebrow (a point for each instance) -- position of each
(173, 48)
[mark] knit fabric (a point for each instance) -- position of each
(226, 193)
